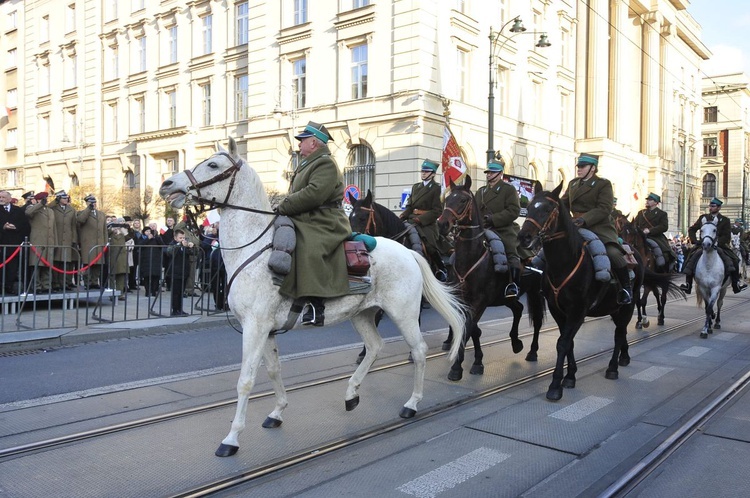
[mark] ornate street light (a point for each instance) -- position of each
(495, 49)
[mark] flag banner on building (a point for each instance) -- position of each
(525, 189)
(453, 165)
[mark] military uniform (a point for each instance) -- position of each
(43, 236)
(92, 231)
(657, 223)
(67, 238)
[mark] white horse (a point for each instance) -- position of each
(737, 250)
(399, 279)
(709, 277)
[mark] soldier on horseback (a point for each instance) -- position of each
(653, 222)
(723, 235)
(499, 207)
(423, 210)
(738, 228)
(590, 200)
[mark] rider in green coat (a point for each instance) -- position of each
(654, 222)
(314, 206)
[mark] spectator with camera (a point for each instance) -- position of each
(43, 238)
(179, 252)
(92, 231)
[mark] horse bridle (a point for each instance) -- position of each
(459, 217)
(371, 221)
(543, 229)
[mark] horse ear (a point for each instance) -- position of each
(368, 197)
(467, 182)
(219, 147)
(558, 189)
(537, 187)
(232, 147)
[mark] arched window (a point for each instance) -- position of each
(709, 185)
(360, 168)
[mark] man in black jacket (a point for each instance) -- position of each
(15, 229)
(179, 252)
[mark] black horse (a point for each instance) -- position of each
(570, 288)
(480, 285)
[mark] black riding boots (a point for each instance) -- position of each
(625, 294)
(687, 287)
(314, 312)
(511, 290)
(737, 286)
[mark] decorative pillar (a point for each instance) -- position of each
(651, 83)
(619, 104)
(598, 70)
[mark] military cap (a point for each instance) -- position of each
(738, 220)
(654, 197)
(61, 193)
(430, 166)
(41, 195)
(316, 130)
(27, 195)
(495, 166)
(90, 198)
(587, 160)
(716, 201)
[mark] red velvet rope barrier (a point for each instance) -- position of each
(67, 272)
(10, 258)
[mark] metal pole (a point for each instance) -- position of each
(491, 104)
(684, 192)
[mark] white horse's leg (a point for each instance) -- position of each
(273, 366)
(364, 324)
(413, 336)
(252, 351)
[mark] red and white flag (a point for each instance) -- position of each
(454, 167)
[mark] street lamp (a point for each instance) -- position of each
(495, 49)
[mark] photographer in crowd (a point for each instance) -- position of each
(179, 252)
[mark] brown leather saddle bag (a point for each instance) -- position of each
(357, 258)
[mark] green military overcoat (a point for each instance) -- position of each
(92, 231)
(314, 206)
(593, 201)
(501, 204)
(657, 223)
(43, 232)
(67, 232)
(423, 210)
(118, 253)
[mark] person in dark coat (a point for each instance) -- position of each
(43, 239)
(314, 206)
(654, 222)
(150, 261)
(723, 241)
(15, 229)
(179, 252)
(217, 279)
(499, 207)
(590, 199)
(423, 210)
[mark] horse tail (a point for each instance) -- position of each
(663, 281)
(445, 301)
(532, 284)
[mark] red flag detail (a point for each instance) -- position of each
(454, 167)
(206, 222)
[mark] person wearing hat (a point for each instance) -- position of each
(316, 190)
(654, 223)
(590, 200)
(422, 211)
(66, 253)
(739, 228)
(499, 207)
(43, 237)
(27, 197)
(14, 228)
(92, 232)
(723, 240)
(616, 213)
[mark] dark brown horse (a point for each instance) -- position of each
(570, 288)
(480, 285)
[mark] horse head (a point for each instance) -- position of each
(460, 209)
(542, 218)
(362, 218)
(736, 243)
(709, 229)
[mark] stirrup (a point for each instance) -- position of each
(312, 317)
(441, 275)
(738, 287)
(687, 289)
(511, 290)
(624, 297)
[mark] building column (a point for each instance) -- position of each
(618, 69)
(598, 70)
(651, 83)
(668, 104)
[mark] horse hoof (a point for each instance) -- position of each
(517, 346)
(477, 370)
(271, 423)
(638, 326)
(455, 375)
(446, 346)
(351, 404)
(660, 321)
(554, 394)
(624, 362)
(226, 450)
(611, 375)
(717, 327)
(407, 413)
(569, 383)
(646, 324)
(704, 335)
(531, 357)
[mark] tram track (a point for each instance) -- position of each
(334, 445)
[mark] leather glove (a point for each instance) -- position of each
(417, 222)
(487, 221)
(579, 222)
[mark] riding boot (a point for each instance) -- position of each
(511, 290)
(314, 312)
(687, 287)
(625, 294)
(442, 272)
(737, 287)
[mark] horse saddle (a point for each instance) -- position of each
(595, 248)
(657, 252)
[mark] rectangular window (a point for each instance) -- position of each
(11, 98)
(461, 69)
(172, 44)
(564, 45)
(710, 114)
(538, 103)
(44, 30)
(299, 80)
(70, 18)
(460, 5)
(11, 138)
(140, 44)
(110, 10)
(12, 20)
(43, 138)
(110, 122)
(710, 147)
(10, 58)
(112, 63)
(172, 108)
(501, 92)
(69, 127)
(13, 178)
(300, 12)
(360, 3)
(359, 72)
(69, 78)
(242, 23)
(206, 104)
(44, 80)
(564, 112)
(137, 5)
(207, 33)
(240, 97)
(140, 114)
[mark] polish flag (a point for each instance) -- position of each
(453, 164)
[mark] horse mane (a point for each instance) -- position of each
(575, 240)
(392, 224)
(257, 191)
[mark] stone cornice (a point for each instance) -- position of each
(156, 135)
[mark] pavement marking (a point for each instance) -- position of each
(695, 351)
(453, 473)
(726, 336)
(652, 373)
(580, 409)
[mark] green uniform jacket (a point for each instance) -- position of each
(723, 231)
(657, 223)
(118, 253)
(43, 232)
(501, 204)
(425, 200)
(314, 205)
(92, 231)
(593, 201)
(67, 232)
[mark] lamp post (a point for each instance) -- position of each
(517, 29)
(278, 113)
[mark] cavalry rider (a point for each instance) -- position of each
(654, 222)
(616, 213)
(314, 206)
(499, 207)
(590, 200)
(423, 210)
(723, 240)
(738, 228)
